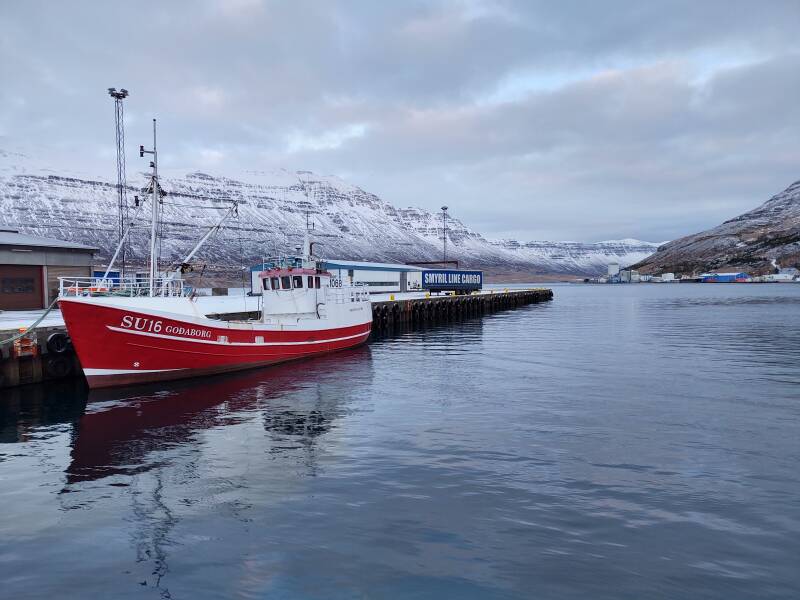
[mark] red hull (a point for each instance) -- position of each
(118, 346)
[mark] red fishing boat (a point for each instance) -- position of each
(124, 340)
(151, 329)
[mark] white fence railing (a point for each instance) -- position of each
(114, 286)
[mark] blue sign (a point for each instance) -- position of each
(452, 280)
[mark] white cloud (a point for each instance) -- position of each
(581, 120)
(300, 141)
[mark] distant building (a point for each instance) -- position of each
(668, 277)
(727, 277)
(613, 269)
(629, 276)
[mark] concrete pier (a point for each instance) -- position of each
(47, 354)
(400, 311)
(43, 355)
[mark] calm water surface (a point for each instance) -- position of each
(619, 442)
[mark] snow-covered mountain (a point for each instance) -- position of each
(349, 222)
(755, 242)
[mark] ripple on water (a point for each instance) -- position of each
(618, 442)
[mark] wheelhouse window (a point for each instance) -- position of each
(317, 283)
(310, 282)
(275, 283)
(298, 281)
(265, 283)
(286, 282)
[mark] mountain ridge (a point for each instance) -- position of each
(350, 222)
(755, 241)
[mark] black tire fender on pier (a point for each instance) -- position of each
(59, 366)
(57, 343)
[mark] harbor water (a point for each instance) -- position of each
(636, 441)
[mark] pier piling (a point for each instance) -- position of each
(431, 310)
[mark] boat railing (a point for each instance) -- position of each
(347, 294)
(121, 286)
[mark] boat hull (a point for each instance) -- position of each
(121, 345)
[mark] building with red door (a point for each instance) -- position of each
(31, 265)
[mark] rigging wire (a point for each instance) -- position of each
(241, 254)
(160, 222)
(29, 330)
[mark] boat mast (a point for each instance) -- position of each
(154, 218)
(154, 211)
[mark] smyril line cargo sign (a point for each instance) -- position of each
(452, 280)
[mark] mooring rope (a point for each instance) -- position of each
(29, 330)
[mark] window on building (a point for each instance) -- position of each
(17, 285)
(286, 282)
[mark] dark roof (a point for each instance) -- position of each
(10, 237)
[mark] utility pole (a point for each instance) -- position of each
(122, 201)
(444, 236)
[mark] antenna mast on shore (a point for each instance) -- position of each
(122, 200)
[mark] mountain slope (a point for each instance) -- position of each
(349, 222)
(751, 242)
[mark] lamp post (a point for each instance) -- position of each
(444, 235)
(122, 202)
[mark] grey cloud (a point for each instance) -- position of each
(664, 117)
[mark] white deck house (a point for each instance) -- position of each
(376, 277)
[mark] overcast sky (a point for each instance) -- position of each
(535, 120)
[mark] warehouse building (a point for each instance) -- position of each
(30, 267)
(729, 277)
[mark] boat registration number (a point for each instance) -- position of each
(157, 326)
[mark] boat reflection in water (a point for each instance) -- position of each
(154, 470)
(122, 430)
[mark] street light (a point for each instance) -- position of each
(444, 235)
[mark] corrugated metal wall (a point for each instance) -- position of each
(53, 273)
